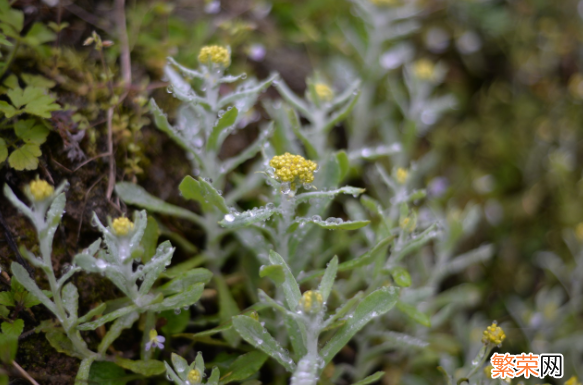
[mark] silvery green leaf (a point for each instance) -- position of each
(296, 331)
(227, 309)
(412, 312)
(232, 78)
(373, 378)
(107, 318)
(21, 206)
(204, 193)
(82, 376)
(221, 129)
(246, 218)
(87, 263)
(255, 334)
(245, 92)
(214, 378)
(189, 73)
(373, 153)
(328, 279)
(341, 114)
(180, 365)
(92, 313)
(187, 298)
(140, 223)
(30, 257)
(293, 99)
(373, 305)
(155, 267)
(22, 276)
(70, 297)
(54, 214)
(305, 197)
(334, 223)
(115, 330)
(461, 262)
(274, 272)
(136, 195)
(198, 362)
(173, 376)
(243, 367)
(291, 289)
(67, 275)
(185, 281)
(346, 96)
(181, 89)
(250, 151)
(263, 297)
(416, 243)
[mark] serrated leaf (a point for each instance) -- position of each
(38, 81)
(33, 100)
(204, 193)
(13, 329)
(373, 305)
(3, 150)
(7, 298)
(39, 34)
(225, 121)
(7, 109)
(144, 367)
(31, 132)
(255, 334)
(25, 157)
(416, 315)
(244, 367)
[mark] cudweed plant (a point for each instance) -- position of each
(122, 239)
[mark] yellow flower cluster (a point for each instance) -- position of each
(493, 334)
(324, 92)
(40, 190)
(215, 54)
(402, 175)
(311, 302)
(408, 223)
(122, 226)
(194, 376)
(424, 69)
(289, 168)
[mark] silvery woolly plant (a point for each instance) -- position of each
(123, 247)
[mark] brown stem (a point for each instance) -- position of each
(24, 373)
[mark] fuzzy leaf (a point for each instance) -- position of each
(25, 157)
(106, 318)
(22, 275)
(254, 333)
(227, 309)
(185, 280)
(71, 300)
(370, 379)
(144, 367)
(373, 305)
(225, 121)
(412, 312)
(305, 197)
(204, 193)
(187, 298)
(291, 289)
(335, 223)
(274, 272)
(247, 218)
(328, 280)
(243, 367)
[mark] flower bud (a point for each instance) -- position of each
(311, 302)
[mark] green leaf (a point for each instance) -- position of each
(305, 197)
(39, 34)
(227, 309)
(175, 323)
(38, 81)
(254, 333)
(416, 243)
(328, 280)
(7, 109)
(98, 310)
(335, 223)
(7, 298)
(187, 298)
(412, 312)
(13, 329)
(247, 218)
(144, 367)
(107, 373)
(204, 193)
(291, 289)
(401, 276)
(33, 100)
(373, 305)
(370, 379)
(149, 240)
(274, 272)
(244, 367)
(106, 318)
(185, 280)
(22, 275)
(8, 348)
(31, 132)
(3, 149)
(343, 162)
(60, 342)
(4, 312)
(25, 157)
(225, 121)
(135, 195)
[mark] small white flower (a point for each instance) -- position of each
(155, 340)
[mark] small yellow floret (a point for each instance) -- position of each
(493, 334)
(402, 175)
(254, 315)
(424, 69)
(324, 92)
(311, 302)
(122, 226)
(573, 381)
(41, 190)
(215, 54)
(194, 376)
(408, 224)
(292, 168)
